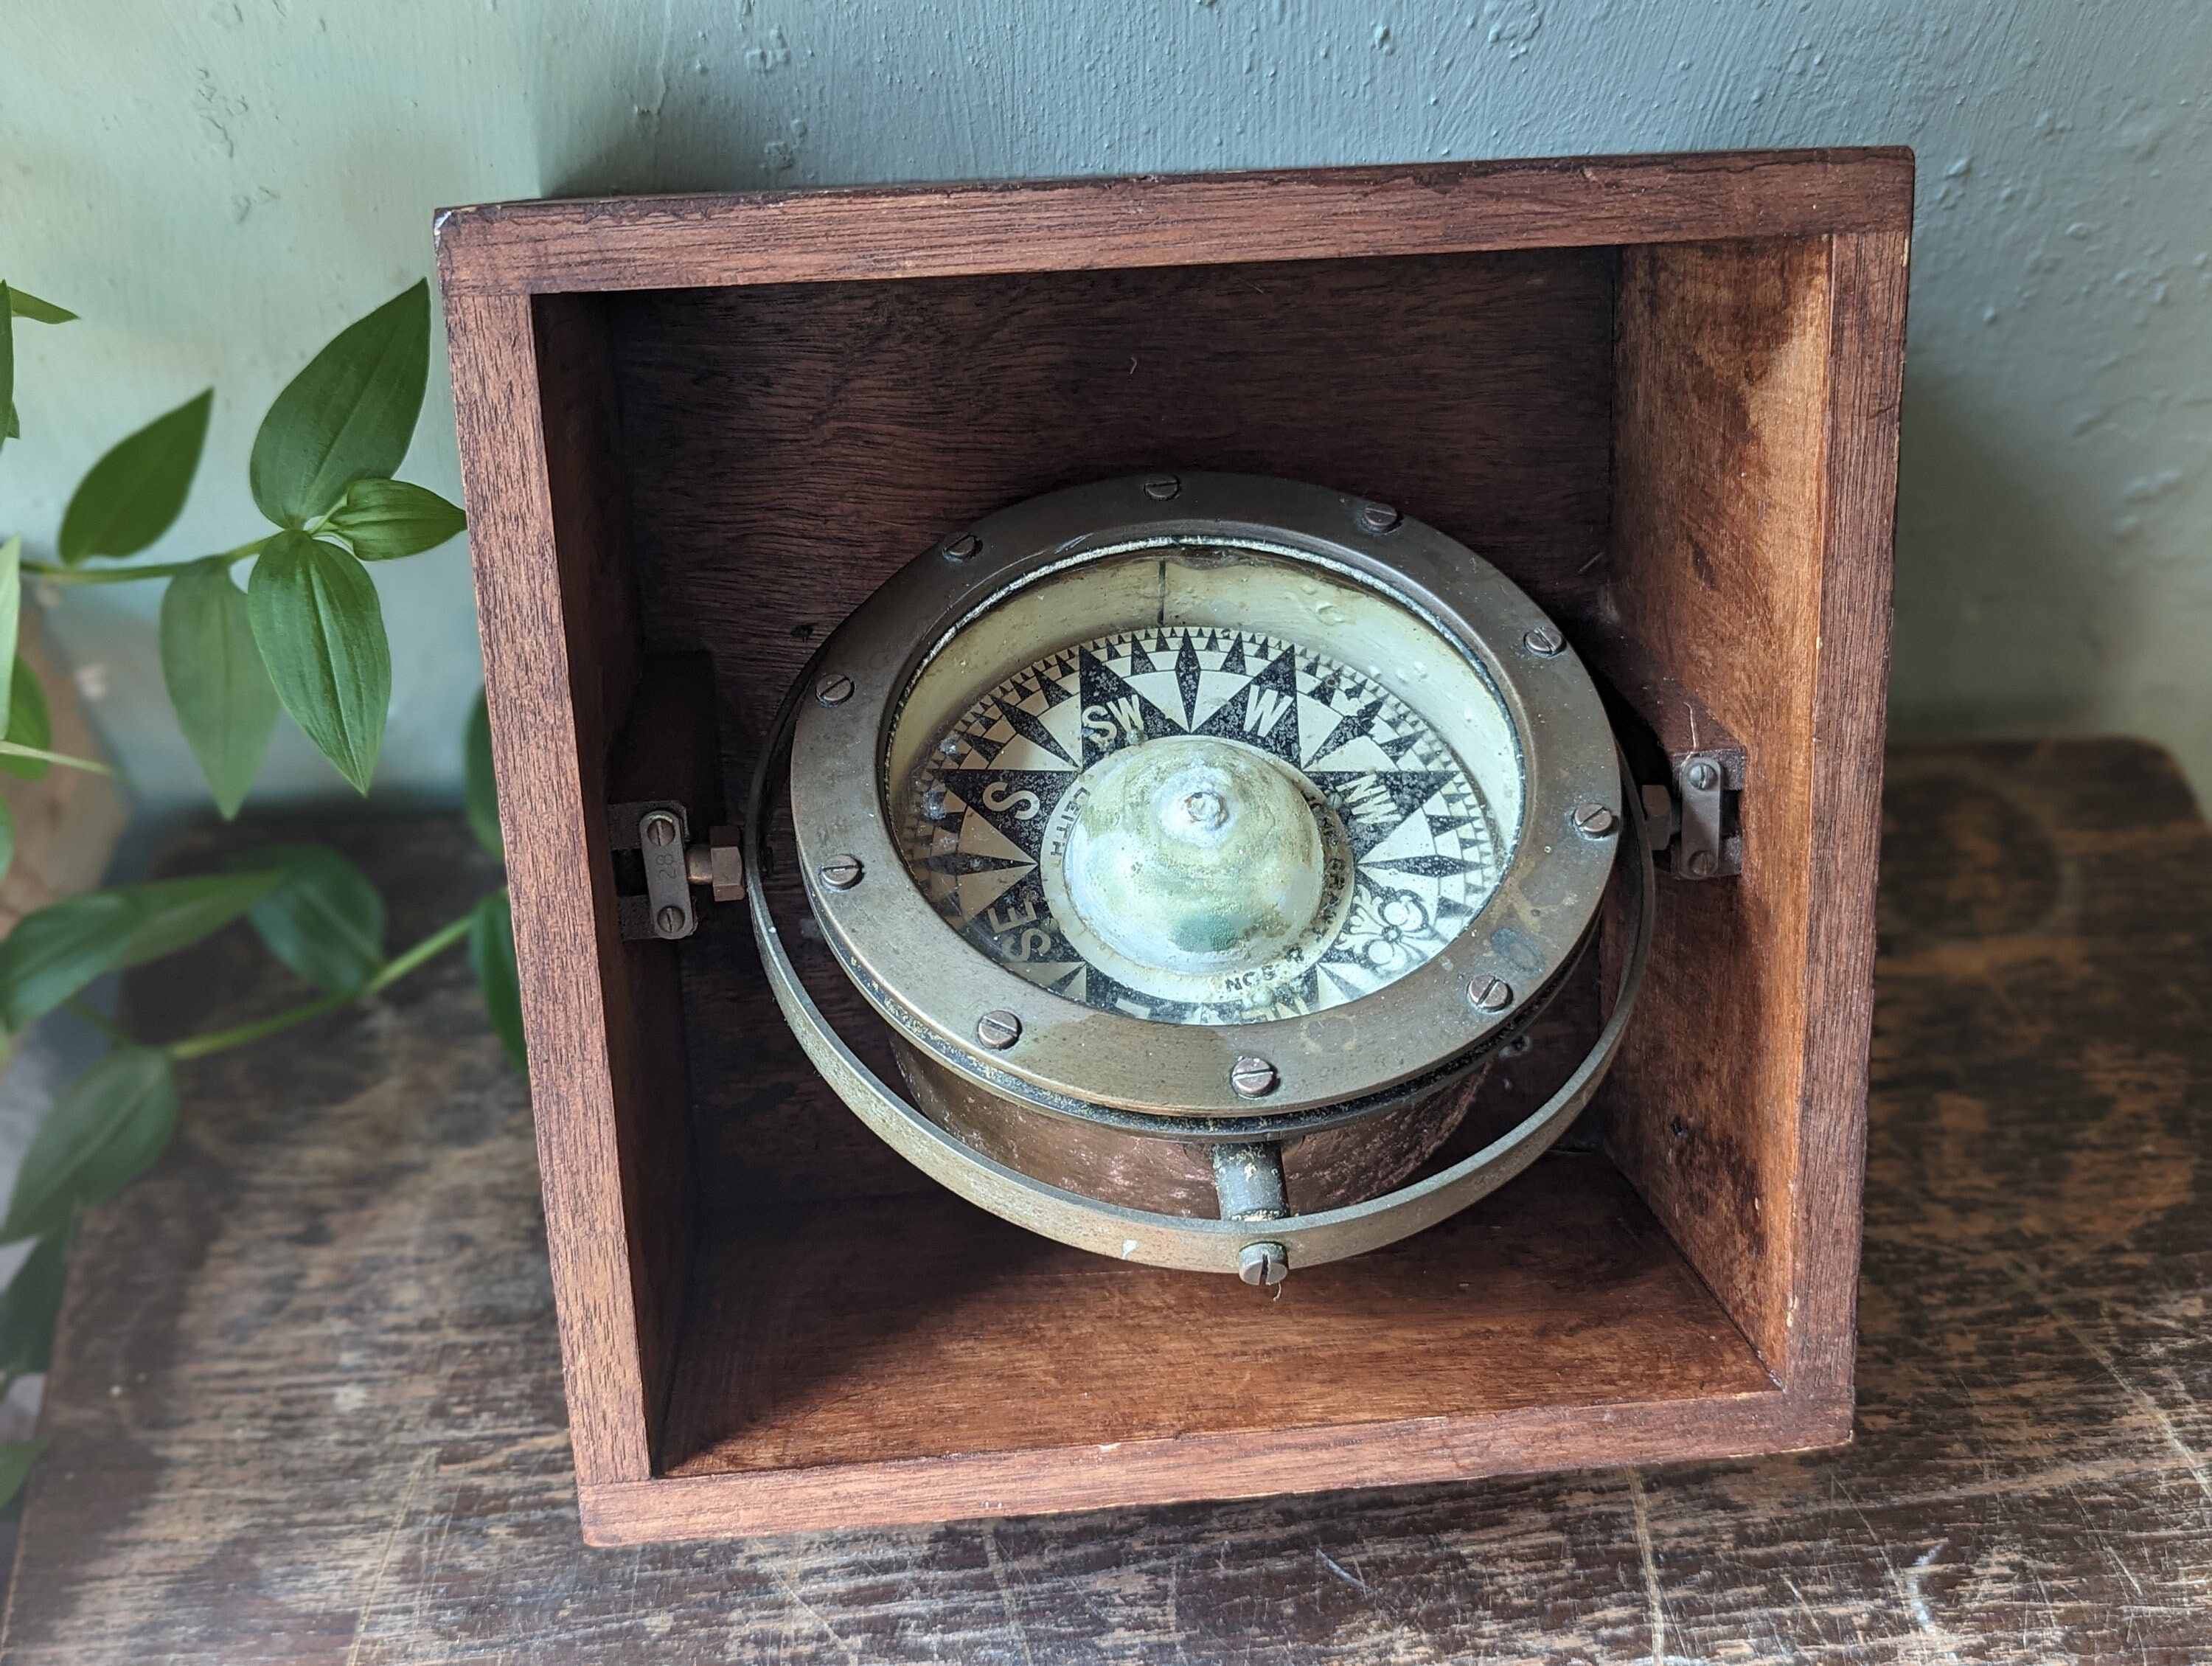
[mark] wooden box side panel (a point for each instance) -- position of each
(1867, 276)
(791, 445)
(1719, 411)
(1156, 221)
(1756, 428)
(963, 1485)
(640, 723)
(559, 648)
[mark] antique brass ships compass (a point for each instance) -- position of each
(1200, 839)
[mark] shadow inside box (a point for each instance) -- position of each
(842, 1308)
(873, 1330)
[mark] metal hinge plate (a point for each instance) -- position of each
(1691, 821)
(653, 896)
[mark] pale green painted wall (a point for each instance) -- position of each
(218, 185)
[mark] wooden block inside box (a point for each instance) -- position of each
(1660, 394)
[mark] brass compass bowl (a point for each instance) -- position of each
(1199, 838)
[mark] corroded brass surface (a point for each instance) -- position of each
(1337, 1165)
(1254, 828)
(1435, 630)
(1163, 1238)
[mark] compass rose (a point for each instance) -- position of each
(1344, 800)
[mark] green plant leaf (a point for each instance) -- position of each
(320, 629)
(16, 1457)
(325, 920)
(37, 311)
(476, 775)
(170, 914)
(54, 952)
(491, 956)
(348, 416)
(133, 495)
(30, 723)
(112, 1123)
(7, 838)
(384, 519)
(28, 1306)
(11, 615)
(217, 683)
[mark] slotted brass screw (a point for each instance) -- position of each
(1595, 820)
(1253, 1077)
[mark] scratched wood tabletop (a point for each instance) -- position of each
(307, 1404)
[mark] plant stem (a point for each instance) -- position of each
(15, 749)
(198, 1047)
(80, 1007)
(53, 575)
(159, 569)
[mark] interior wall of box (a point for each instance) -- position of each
(779, 450)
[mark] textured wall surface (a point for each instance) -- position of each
(217, 185)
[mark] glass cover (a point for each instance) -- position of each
(1212, 824)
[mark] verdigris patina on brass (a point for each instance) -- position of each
(1169, 819)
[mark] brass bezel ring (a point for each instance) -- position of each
(1176, 1241)
(925, 978)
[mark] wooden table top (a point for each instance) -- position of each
(306, 1404)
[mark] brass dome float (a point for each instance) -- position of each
(1200, 839)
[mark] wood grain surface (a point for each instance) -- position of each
(1719, 545)
(1651, 389)
(789, 446)
(938, 230)
(306, 1401)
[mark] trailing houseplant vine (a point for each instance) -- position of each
(305, 634)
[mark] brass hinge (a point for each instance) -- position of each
(1691, 821)
(652, 897)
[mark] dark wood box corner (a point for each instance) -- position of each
(1659, 393)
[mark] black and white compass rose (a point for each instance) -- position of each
(1201, 825)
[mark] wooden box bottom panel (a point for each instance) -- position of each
(911, 1358)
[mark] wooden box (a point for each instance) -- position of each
(1659, 393)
